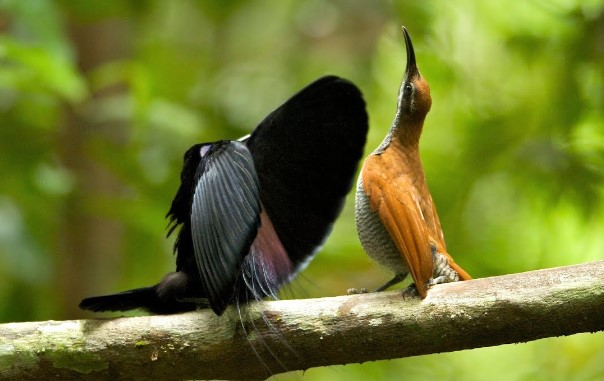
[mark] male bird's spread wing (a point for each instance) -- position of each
(402, 217)
(306, 153)
(292, 173)
(225, 216)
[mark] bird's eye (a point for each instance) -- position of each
(408, 89)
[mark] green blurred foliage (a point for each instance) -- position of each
(513, 147)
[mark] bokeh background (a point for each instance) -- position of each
(100, 99)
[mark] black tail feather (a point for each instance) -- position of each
(145, 298)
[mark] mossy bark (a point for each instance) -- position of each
(273, 337)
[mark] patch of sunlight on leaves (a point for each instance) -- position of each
(244, 96)
(491, 78)
(53, 179)
(514, 229)
(251, 37)
(34, 67)
(175, 118)
(154, 162)
(38, 22)
(590, 8)
(445, 366)
(568, 238)
(180, 22)
(545, 359)
(111, 74)
(576, 357)
(590, 80)
(138, 213)
(108, 109)
(317, 27)
(532, 18)
(19, 255)
(588, 140)
(498, 218)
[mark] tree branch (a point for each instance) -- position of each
(299, 334)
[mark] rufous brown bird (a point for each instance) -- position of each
(396, 218)
(253, 213)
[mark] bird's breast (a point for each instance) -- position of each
(373, 235)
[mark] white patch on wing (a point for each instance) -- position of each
(244, 138)
(204, 149)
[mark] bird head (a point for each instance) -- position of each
(414, 99)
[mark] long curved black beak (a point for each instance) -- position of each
(411, 69)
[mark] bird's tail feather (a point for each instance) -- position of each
(140, 298)
(123, 301)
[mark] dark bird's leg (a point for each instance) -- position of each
(398, 278)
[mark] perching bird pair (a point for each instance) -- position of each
(253, 213)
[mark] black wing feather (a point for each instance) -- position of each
(225, 216)
(306, 153)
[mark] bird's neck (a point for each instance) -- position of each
(405, 132)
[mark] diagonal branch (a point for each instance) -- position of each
(299, 334)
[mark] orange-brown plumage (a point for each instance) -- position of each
(392, 191)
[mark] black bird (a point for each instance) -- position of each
(253, 213)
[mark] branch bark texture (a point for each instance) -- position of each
(274, 337)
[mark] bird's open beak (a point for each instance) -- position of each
(411, 69)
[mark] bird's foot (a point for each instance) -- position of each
(443, 273)
(442, 279)
(410, 292)
(354, 291)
